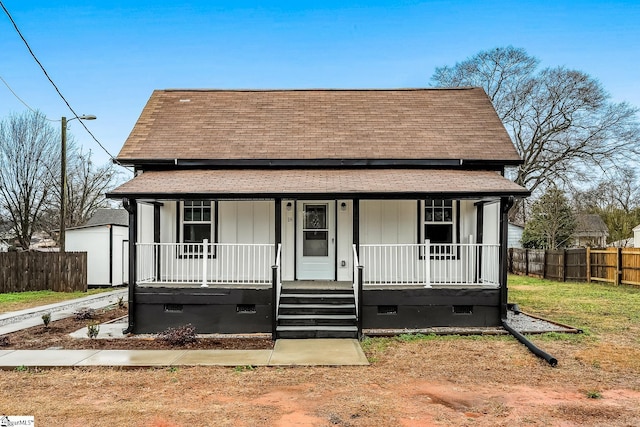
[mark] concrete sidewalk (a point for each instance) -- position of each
(310, 352)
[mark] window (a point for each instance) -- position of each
(440, 226)
(197, 222)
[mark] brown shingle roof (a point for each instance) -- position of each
(273, 183)
(319, 124)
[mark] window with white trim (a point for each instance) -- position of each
(196, 222)
(439, 224)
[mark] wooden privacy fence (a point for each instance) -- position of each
(561, 265)
(37, 271)
(612, 265)
(615, 265)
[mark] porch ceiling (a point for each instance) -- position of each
(318, 183)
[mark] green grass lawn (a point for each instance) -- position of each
(597, 308)
(20, 300)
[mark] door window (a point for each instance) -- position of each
(315, 239)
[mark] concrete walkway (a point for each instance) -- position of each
(311, 352)
(23, 319)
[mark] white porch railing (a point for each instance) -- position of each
(428, 264)
(204, 263)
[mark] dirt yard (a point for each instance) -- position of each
(444, 381)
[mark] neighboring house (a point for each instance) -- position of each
(314, 213)
(105, 240)
(515, 235)
(4, 246)
(590, 231)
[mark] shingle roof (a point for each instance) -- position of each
(109, 217)
(319, 124)
(587, 224)
(280, 183)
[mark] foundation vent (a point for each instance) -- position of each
(462, 309)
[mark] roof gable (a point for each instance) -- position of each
(410, 124)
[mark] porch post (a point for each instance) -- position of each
(356, 224)
(156, 234)
(274, 271)
(505, 205)
(131, 205)
(479, 238)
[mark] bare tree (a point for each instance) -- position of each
(86, 188)
(616, 198)
(28, 149)
(30, 179)
(561, 121)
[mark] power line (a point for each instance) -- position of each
(75, 115)
(21, 100)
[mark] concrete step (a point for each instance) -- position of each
(301, 332)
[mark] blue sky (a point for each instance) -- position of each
(107, 57)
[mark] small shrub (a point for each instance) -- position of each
(5, 341)
(22, 368)
(46, 319)
(243, 368)
(180, 335)
(121, 303)
(593, 394)
(93, 329)
(85, 313)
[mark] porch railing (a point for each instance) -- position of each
(428, 264)
(204, 263)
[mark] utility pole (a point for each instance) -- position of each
(63, 177)
(63, 184)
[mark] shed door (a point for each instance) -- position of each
(315, 255)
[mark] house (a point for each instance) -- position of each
(317, 213)
(590, 231)
(515, 235)
(105, 240)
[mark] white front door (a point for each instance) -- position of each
(315, 241)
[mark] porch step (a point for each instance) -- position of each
(317, 313)
(317, 320)
(301, 332)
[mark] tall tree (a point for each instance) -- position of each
(560, 120)
(28, 150)
(552, 222)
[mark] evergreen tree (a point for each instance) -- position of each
(552, 222)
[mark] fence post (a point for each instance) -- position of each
(544, 264)
(564, 265)
(588, 264)
(618, 266)
(526, 262)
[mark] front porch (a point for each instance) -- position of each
(252, 265)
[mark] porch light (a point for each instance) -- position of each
(343, 206)
(289, 206)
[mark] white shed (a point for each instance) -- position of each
(515, 235)
(105, 239)
(636, 236)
